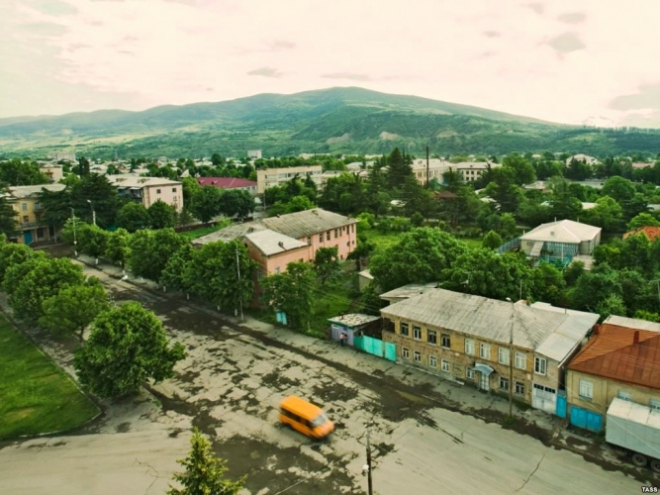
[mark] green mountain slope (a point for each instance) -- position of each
(353, 120)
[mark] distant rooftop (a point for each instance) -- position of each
(20, 192)
(353, 319)
(126, 180)
(270, 242)
(225, 182)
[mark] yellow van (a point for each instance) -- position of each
(305, 417)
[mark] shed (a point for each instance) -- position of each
(364, 278)
(353, 323)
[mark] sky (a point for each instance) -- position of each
(567, 61)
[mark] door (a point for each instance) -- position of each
(586, 419)
(544, 398)
(27, 235)
(561, 405)
(484, 382)
(390, 351)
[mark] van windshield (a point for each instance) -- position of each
(319, 420)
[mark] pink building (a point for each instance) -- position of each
(228, 183)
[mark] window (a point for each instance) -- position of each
(520, 388)
(504, 384)
(327, 235)
(484, 351)
(445, 365)
(174, 189)
(309, 241)
(432, 337)
(417, 333)
(320, 237)
(586, 389)
(446, 340)
(277, 269)
(469, 373)
(469, 347)
(157, 191)
(521, 361)
(26, 218)
(405, 353)
(654, 404)
(433, 362)
(24, 206)
(336, 234)
(624, 395)
(417, 356)
(40, 233)
(539, 365)
(503, 355)
(404, 329)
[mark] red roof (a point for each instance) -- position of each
(648, 231)
(613, 353)
(225, 182)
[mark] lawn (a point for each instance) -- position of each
(196, 233)
(383, 241)
(36, 396)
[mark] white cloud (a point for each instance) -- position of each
(562, 60)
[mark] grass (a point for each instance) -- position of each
(194, 234)
(37, 396)
(383, 241)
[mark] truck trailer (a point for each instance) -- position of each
(635, 428)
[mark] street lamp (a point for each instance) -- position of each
(93, 212)
(75, 237)
(513, 309)
(367, 467)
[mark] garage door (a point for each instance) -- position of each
(544, 398)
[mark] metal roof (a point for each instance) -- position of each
(125, 180)
(482, 317)
(407, 291)
(568, 335)
(353, 319)
(21, 192)
(623, 321)
(230, 233)
(566, 231)
(307, 223)
(225, 182)
(270, 242)
(634, 412)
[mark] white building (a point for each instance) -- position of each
(254, 154)
(148, 190)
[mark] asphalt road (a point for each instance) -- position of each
(230, 385)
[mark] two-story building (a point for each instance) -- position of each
(485, 341)
(620, 361)
(229, 183)
(471, 171)
(148, 190)
(25, 202)
(53, 171)
(271, 177)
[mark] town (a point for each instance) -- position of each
(442, 299)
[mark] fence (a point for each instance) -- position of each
(509, 246)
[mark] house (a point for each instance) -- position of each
(618, 361)
(468, 338)
(471, 171)
(25, 202)
(650, 232)
(53, 171)
(354, 325)
(563, 239)
(271, 177)
(229, 183)
(275, 242)
(589, 160)
(148, 190)
(623, 321)
(436, 169)
(254, 154)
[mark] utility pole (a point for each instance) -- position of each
(75, 237)
(428, 166)
(93, 211)
(369, 482)
(513, 309)
(240, 292)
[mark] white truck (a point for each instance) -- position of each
(635, 428)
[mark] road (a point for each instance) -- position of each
(230, 385)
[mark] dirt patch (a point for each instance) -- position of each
(336, 392)
(278, 381)
(123, 428)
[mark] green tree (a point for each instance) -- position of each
(8, 218)
(46, 278)
(503, 189)
(563, 204)
(174, 274)
(207, 203)
(204, 473)
(217, 160)
(74, 308)
(548, 284)
(326, 263)
(126, 347)
(117, 248)
(151, 250)
(643, 220)
(56, 207)
(607, 214)
(96, 192)
(420, 256)
(292, 292)
(16, 272)
(162, 215)
(237, 202)
(133, 216)
(12, 254)
(362, 251)
(595, 286)
(491, 240)
(618, 188)
(94, 241)
(370, 301)
(647, 315)
(611, 305)
(298, 203)
(17, 172)
(190, 188)
(399, 168)
(523, 170)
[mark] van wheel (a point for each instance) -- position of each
(655, 465)
(639, 460)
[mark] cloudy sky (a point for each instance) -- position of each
(569, 61)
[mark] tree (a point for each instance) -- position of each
(416, 219)
(17, 172)
(607, 214)
(190, 188)
(362, 251)
(56, 207)
(204, 473)
(133, 216)
(503, 189)
(162, 215)
(548, 284)
(46, 278)
(207, 203)
(174, 273)
(326, 263)
(8, 218)
(595, 286)
(217, 160)
(563, 204)
(12, 254)
(151, 250)
(611, 305)
(95, 191)
(420, 256)
(127, 346)
(74, 308)
(16, 272)
(491, 240)
(237, 202)
(117, 248)
(618, 188)
(298, 203)
(643, 220)
(292, 292)
(94, 241)
(399, 168)
(523, 170)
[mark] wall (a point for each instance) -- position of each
(28, 217)
(458, 360)
(172, 194)
(604, 390)
(275, 176)
(281, 260)
(345, 240)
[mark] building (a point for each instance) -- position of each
(563, 239)
(364, 279)
(254, 154)
(148, 190)
(228, 183)
(436, 168)
(407, 291)
(53, 171)
(467, 338)
(650, 232)
(25, 202)
(271, 177)
(354, 325)
(471, 171)
(589, 160)
(275, 242)
(619, 361)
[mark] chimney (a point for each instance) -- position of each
(636, 337)
(281, 244)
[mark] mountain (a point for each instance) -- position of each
(352, 120)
